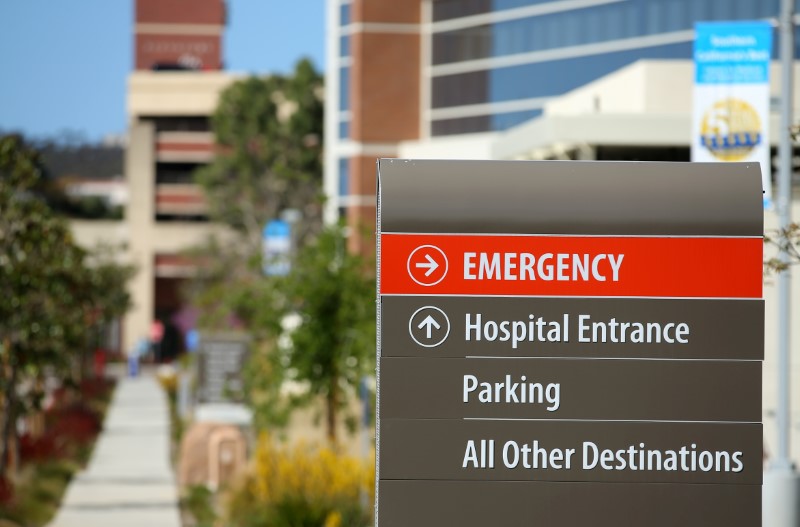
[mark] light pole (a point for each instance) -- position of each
(781, 507)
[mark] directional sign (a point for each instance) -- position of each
(429, 326)
(569, 344)
(427, 265)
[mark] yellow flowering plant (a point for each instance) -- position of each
(302, 486)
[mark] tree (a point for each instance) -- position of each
(51, 298)
(268, 132)
(269, 137)
(333, 292)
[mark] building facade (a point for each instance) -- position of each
(527, 79)
(170, 98)
(422, 70)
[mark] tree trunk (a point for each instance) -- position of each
(332, 403)
(8, 415)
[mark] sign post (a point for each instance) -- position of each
(569, 343)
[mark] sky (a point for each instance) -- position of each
(64, 63)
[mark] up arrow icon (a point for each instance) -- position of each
(429, 323)
(429, 326)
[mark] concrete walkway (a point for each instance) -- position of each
(128, 481)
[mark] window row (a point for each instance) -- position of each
(541, 79)
(448, 9)
(482, 123)
(619, 20)
(716, 9)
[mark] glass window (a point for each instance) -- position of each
(176, 173)
(499, 5)
(448, 9)
(631, 18)
(568, 28)
(344, 14)
(482, 123)
(344, 176)
(344, 89)
(344, 46)
(542, 79)
(504, 121)
(463, 125)
(461, 89)
(344, 129)
(179, 123)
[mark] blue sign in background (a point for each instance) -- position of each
(732, 52)
(277, 246)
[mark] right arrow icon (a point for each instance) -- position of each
(431, 265)
(429, 326)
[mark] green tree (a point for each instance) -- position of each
(51, 297)
(41, 277)
(268, 131)
(333, 292)
(269, 137)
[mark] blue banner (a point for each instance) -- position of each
(732, 52)
(277, 248)
(731, 95)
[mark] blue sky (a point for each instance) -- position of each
(64, 63)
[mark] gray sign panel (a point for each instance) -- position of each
(571, 389)
(523, 504)
(509, 381)
(220, 362)
(556, 197)
(537, 327)
(434, 449)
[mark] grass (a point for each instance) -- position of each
(38, 492)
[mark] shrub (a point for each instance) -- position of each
(303, 487)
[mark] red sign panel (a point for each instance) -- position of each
(446, 264)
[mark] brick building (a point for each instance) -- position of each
(170, 97)
(451, 78)
(526, 79)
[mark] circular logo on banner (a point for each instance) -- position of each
(730, 129)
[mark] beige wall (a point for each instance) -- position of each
(140, 214)
(91, 234)
(180, 93)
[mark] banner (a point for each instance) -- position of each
(277, 248)
(730, 121)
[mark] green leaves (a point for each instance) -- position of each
(53, 290)
(333, 292)
(269, 136)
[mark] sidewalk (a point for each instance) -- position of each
(128, 481)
